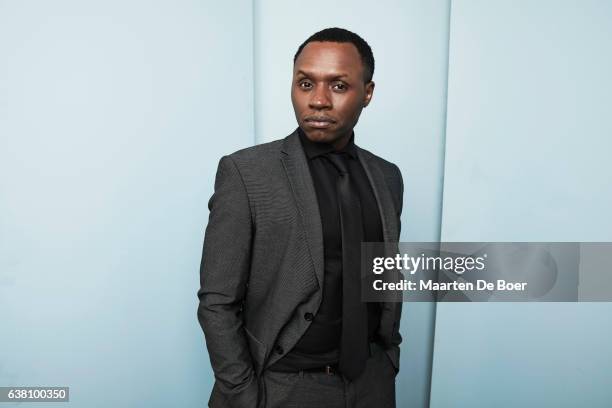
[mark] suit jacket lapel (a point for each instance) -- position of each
(298, 173)
(383, 195)
(388, 217)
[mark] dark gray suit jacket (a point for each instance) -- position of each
(262, 263)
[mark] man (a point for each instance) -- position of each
(280, 292)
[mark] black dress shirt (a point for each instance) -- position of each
(319, 346)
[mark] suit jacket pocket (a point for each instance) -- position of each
(258, 351)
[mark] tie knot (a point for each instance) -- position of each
(339, 161)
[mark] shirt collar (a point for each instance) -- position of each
(314, 149)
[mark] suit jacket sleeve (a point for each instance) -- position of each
(401, 200)
(224, 275)
(396, 337)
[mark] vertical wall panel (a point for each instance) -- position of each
(404, 123)
(113, 116)
(527, 159)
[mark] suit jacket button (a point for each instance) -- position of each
(308, 316)
(278, 349)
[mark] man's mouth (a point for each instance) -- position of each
(319, 122)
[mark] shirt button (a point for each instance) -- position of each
(308, 317)
(278, 349)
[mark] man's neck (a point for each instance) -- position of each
(342, 142)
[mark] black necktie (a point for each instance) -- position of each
(354, 341)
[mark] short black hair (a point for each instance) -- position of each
(340, 35)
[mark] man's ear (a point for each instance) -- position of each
(368, 94)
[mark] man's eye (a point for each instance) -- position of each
(305, 85)
(339, 87)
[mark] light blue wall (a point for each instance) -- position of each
(113, 116)
(404, 123)
(527, 159)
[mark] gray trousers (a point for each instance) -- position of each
(375, 387)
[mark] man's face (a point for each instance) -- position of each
(328, 91)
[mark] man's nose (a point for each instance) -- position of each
(320, 98)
